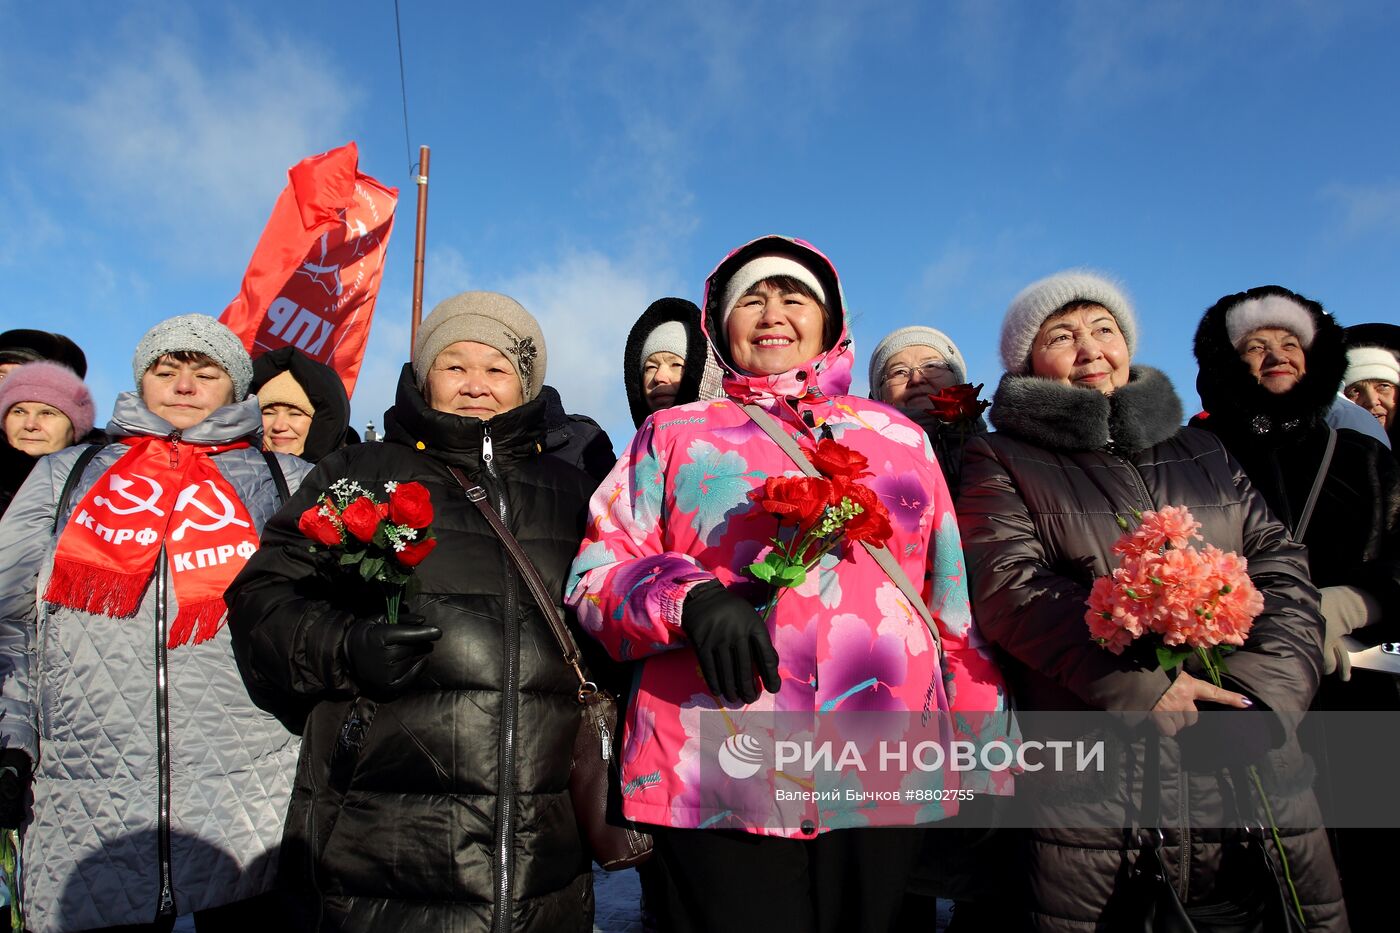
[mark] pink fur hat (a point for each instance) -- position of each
(53, 384)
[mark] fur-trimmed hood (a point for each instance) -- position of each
(697, 353)
(1236, 404)
(1142, 413)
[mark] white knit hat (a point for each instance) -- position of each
(1371, 363)
(1269, 311)
(766, 267)
(916, 336)
(669, 337)
(1037, 301)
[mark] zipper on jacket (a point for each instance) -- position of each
(510, 695)
(174, 438)
(166, 905)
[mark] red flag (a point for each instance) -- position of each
(315, 273)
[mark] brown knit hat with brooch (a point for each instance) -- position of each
(484, 317)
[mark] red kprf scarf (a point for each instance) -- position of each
(161, 491)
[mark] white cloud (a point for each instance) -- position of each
(1365, 209)
(193, 147)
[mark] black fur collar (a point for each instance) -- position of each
(1144, 412)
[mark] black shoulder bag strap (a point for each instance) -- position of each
(477, 496)
(74, 475)
(278, 479)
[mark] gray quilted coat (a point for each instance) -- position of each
(79, 694)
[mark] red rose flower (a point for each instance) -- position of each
(412, 554)
(873, 523)
(958, 403)
(361, 518)
(839, 461)
(802, 499)
(410, 504)
(320, 528)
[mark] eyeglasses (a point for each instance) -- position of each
(930, 370)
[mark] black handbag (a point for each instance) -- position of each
(1258, 901)
(614, 842)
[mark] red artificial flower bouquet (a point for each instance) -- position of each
(384, 540)
(821, 511)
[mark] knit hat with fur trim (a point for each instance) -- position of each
(1037, 301)
(1269, 311)
(484, 317)
(916, 336)
(283, 389)
(1371, 363)
(766, 267)
(52, 384)
(196, 333)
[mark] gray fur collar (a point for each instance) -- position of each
(1144, 412)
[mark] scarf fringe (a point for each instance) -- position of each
(202, 620)
(97, 590)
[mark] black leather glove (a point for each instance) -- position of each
(15, 772)
(384, 658)
(730, 640)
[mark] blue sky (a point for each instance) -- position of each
(590, 157)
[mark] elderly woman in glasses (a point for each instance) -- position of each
(920, 371)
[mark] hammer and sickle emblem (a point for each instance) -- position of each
(121, 486)
(188, 496)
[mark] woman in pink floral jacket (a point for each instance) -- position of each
(660, 578)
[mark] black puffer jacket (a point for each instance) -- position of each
(1037, 515)
(469, 770)
(1353, 537)
(576, 439)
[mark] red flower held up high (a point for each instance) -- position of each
(958, 403)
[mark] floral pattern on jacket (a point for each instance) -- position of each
(675, 512)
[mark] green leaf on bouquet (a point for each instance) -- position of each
(1171, 658)
(351, 557)
(763, 571)
(370, 567)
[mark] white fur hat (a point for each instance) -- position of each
(1371, 363)
(1269, 311)
(1039, 300)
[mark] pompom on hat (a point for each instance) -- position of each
(196, 333)
(52, 384)
(484, 317)
(1037, 301)
(915, 336)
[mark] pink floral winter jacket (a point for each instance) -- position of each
(675, 512)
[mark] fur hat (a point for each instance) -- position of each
(196, 333)
(1371, 363)
(916, 336)
(53, 384)
(765, 267)
(665, 338)
(1037, 301)
(1247, 316)
(283, 389)
(484, 317)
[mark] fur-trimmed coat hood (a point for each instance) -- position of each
(1144, 412)
(1235, 402)
(697, 353)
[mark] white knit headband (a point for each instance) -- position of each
(766, 267)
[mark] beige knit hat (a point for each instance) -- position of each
(283, 389)
(483, 317)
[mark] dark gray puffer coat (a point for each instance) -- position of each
(1037, 515)
(446, 808)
